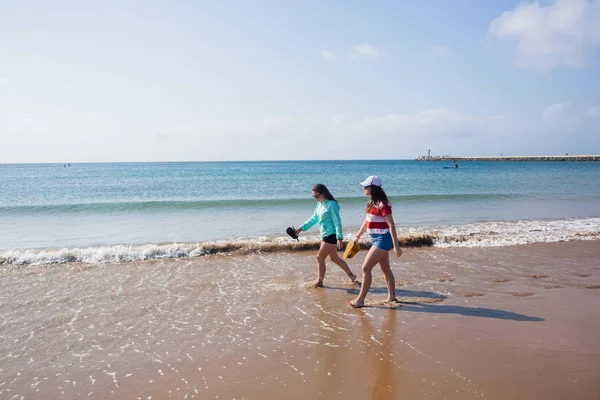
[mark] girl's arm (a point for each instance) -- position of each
(337, 223)
(363, 229)
(309, 223)
(390, 221)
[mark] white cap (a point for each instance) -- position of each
(372, 181)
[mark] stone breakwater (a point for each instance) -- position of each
(512, 158)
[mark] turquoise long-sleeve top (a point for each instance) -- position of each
(327, 214)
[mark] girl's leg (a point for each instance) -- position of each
(390, 281)
(321, 256)
(333, 256)
(373, 257)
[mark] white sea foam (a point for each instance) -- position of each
(484, 234)
(106, 254)
(507, 233)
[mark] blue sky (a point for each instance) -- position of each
(272, 80)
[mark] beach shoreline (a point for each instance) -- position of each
(497, 322)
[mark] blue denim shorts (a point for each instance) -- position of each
(383, 242)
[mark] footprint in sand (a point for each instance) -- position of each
(581, 275)
(500, 280)
(551, 286)
(539, 276)
(591, 286)
(447, 279)
(522, 294)
(471, 294)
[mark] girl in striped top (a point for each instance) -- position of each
(379, 223)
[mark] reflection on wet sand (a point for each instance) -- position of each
(330, 352)
(384, 357)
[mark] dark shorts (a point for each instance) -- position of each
(383, 242)
(331, 239)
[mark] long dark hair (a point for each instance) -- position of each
(377, 196)
(322, 189)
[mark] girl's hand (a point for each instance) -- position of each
(398, 251)
(340, 244)
(298, 230)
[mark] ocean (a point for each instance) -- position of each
(112, 212)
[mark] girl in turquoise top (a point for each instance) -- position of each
(327, 214)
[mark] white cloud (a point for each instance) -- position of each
(442, 51)
(328, 55)
(339, 136)
(555, 109)
(279, 124)
(231, 128)
(5, 82)
(441, 121)
(594, 111)
(364, 50)
(337, 120)
(293, 136)
(433, 122)
(538, 37)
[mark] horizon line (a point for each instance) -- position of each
(284, 160)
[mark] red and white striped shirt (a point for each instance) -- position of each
(376, 223)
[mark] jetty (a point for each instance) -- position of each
(566, 157)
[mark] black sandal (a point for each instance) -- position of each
(292, 232)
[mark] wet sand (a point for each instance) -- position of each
(517, 322)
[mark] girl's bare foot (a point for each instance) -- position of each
(318, 283)
(352, 277)
(355, 304)
(392, 300)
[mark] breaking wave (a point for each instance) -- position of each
(484, 234)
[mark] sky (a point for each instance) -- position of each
(127, 81)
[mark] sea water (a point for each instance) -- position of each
(127, 211)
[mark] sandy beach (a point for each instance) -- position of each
(518, 322)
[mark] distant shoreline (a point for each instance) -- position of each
(512, 158)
